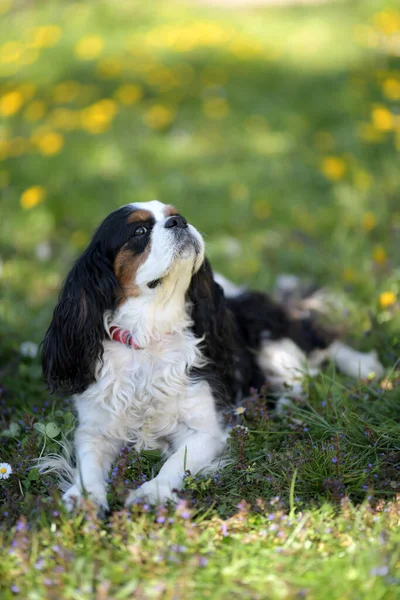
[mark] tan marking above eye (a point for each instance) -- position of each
(170, 211)
(140, 215)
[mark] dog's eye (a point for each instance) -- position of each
(140, 231)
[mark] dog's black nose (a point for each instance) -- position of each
(176, 221)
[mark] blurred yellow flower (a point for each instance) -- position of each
(32, 196)
(11, 52)
(66, 91)
(34, 111)
(368, 221)
(369, 133)
(261, 209)
(333, 167)
(349, 275)
(158, 116)
(109, 68)
(4, 147)
(10, 103)
(97, 117)
(382, 118)
(89, 47)
(128, 94)
(64, 118)
(246, 48)
(238, 192)
(379, 255)
(50, 143)
(387, 299)
(46, 36)
(391, 88)
(387, 21)
(5, 6)
(215, 108)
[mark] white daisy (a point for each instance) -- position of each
(5, 470)
(240, 410)
(29, 349)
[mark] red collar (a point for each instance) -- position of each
(123, 336)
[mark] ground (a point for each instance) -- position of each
(276, 131)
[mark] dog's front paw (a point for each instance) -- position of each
(74, 496)
(153, 492)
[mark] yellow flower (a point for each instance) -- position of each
(11, 52)
(128, 94)
(391, 88)
(382, 118)
(333, 167)
(66, 91)
(368, 221)
(109, 68)
(215, 108)
(4, 147)
(379, 255)
(32, 196)
(46, 36)
(97, 117)
(261, 209)
(89, 47)
(349, 275)
(10, 103)
(387, 299)
(387, 21)
(34, 111)
(5, 6)
(158, 116)
(50, 143)
(238, 192)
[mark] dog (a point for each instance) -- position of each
(154, 351)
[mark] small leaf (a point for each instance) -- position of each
(41, 427)
(12, 431)
(33, 475)
(52, 430)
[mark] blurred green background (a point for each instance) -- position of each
(274, 129)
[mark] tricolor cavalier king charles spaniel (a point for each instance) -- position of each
(154, 351)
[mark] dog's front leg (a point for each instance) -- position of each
(197, 452)
(94, 457)
(198, 441)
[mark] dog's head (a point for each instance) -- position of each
(142, 255)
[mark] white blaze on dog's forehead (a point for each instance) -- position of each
(154, 206)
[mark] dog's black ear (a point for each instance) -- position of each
(213, 321)
(73, 342)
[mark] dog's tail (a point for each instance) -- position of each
(61, 465)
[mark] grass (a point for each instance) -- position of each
(276, 131)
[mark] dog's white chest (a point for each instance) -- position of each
(143, 393)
